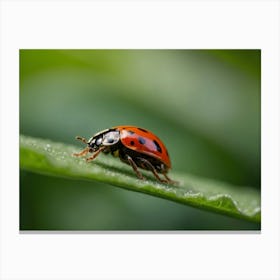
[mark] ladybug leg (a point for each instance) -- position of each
(134, 166)
(83, 152)
(170, 180)
(152, 168)
(95, 154)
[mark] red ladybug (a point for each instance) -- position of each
(133, 145)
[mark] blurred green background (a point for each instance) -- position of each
(203, 104)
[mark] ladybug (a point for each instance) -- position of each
(135, 146)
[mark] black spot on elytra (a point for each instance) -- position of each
(157, 146)
(141, 140)
(130, 132)
(132, 143)
(142, 129)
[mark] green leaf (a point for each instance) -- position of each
(56, 159)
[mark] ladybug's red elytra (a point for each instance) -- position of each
(135, 146)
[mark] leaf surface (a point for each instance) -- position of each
(56, 159)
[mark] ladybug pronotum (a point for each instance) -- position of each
(135, 146)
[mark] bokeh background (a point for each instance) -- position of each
(203, 104)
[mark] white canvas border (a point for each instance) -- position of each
(135, 24)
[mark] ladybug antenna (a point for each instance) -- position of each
(81, 139)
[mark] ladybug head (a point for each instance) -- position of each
(107, 138)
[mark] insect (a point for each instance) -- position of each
(135, 146)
